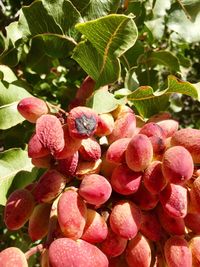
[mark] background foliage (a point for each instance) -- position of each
(146, 50)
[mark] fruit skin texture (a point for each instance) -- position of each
(194, 245)
(177, 165)
(95, 189)
(96, 229)
(49, 186)
(105, 125)
(174, 200)
(35, 148)
(169, 127)
(152, 129)
(39, 221)
(177, 252)
(82, 122)
(174, 226)
(68, 165)
(192, 221)
(195, 195)
(116, 151)
(124, 180)
(138, 252)
(18, 209)
(12, 257)
(50, 133)
(125, 219)
(90, 149)
(139, 153)
(190, 139)
(67, 252)
(114, 245)
(31, 108)
(153, 178)
(72, 213)
(124, 126)
(150, 226)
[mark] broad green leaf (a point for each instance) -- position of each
(187, 29)
(63, 12)
(7, 74)
(10, 95)
(12, 162)
(103, 102)
(91, 61)
(53, 45)
(93, 9)
(112, 36)
(10, 56)
(164, 58)
(34, 19)
(149, 102)
(13, 33)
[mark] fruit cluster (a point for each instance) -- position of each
(117, 191)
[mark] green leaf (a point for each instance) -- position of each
(53, 45)
(111, 36)
(164, 58)
(10, 95)
(103, 102)
(12, 162)
(93, 9)
(34, 19)
(91, 61)
(187, 29)
(7, 74)
(148, 102)
(64, 13)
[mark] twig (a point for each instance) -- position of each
(184, 9)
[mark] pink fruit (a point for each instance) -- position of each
(95, 189)
(124, 126)
(50, 133)
(174, 226)
(105, 124)
(139, 153)
(177, 165)
(124, 180)
(43, 162)
(39, 221)
(36, 148)
(169, 127)
(49, 186)
(31, 108)
(72, 214)
(18, 209)
(96, 229)
(138, 252)
(72, 145)
(150, 226)
(116, 151)
(12, 257)
(153, 178)
(90, 149)
(86, 88)
(152, 129)
(195, 195)
(107, 167)
(190, 139)
(145, 199)
(67, 252)
(174, 200)
(68, 165)
(177, 252)
(125, 219)
(114, 245)
(82, 122)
